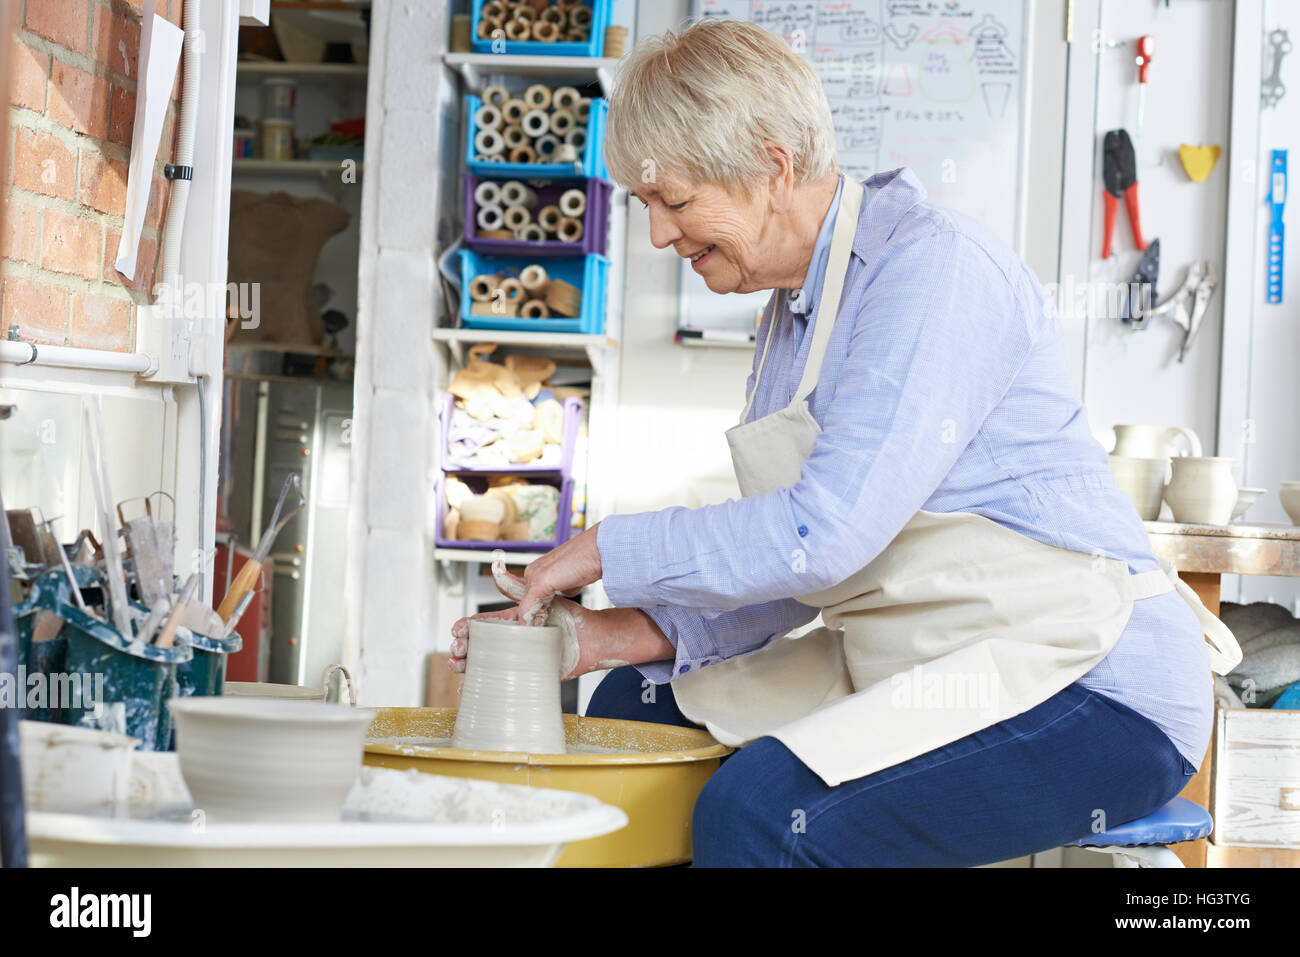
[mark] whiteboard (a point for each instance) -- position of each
(930, 84)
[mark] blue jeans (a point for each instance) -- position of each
(1075, 764)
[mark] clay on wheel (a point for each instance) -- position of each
(511, 697)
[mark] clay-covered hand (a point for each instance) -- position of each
(593, 640)
(564, 570)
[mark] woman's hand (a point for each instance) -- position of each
(593, 640)
(564, 570)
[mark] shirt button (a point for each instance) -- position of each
(803, 531)
(683, 669)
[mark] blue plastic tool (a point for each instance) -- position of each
(1276, 228)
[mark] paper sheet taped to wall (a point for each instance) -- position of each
(160, 53)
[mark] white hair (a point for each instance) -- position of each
(699, 103)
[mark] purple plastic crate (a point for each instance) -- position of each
(595, 220)
(563, 521)
(569, 440)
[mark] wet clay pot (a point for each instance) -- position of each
(511, 697)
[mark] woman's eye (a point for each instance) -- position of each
(676, 206)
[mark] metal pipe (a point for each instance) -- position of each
(30, 353)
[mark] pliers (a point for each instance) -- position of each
(1119, 173)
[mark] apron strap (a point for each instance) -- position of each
(1224, 651)
(778, 309)
(832, 291)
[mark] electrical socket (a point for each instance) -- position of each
(167, 338)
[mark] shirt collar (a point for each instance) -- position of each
(804, 301)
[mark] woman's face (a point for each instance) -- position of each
(721, 232)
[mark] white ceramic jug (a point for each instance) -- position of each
(1155, 441)
(511, 697)
(1202, 490)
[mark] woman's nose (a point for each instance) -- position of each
(663, 231)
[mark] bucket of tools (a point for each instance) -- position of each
(118, 682)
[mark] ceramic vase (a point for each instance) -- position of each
(511, 697)
(1202, 490)
(1155, 441)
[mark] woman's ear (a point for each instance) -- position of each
(781, 181)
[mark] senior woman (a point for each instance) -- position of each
(1003, 667)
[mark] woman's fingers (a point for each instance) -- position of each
(460, 634)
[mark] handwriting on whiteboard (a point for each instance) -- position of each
(930, 84)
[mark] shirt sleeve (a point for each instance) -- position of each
(939, 335)
(701, 640)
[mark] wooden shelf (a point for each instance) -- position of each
(475, 66)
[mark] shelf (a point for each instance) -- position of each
(475, 66)
(598, 348)
(265, 68)
(718, 341)
(484, 556)
(288, 167)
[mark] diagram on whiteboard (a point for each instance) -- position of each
(930, 84)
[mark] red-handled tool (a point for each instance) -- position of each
(1119, 172)
(1146, 50)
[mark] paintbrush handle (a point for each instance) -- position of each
(240, 587)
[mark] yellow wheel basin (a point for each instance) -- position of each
(654, 773)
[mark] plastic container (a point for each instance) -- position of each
(587, 273)
(205, 673)
(595, 222)
(50, 592)
(138, 678)
(563, 521)
(591, 161)
(277, 139)
(572, 421)
(594, 47)
(278, 95)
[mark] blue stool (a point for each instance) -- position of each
(1141, 843)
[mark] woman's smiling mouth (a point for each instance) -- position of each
(700, 256)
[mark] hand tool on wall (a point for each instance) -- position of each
(1140, 295)
(1187, 306)
(1272, 89)
(247, 576)
(1146, 51)
(1119, 173)
(1276, 228)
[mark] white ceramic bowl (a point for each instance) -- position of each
(1289, 493)
(264, 759)
(1245, 499)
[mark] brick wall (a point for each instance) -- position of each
(72, 66)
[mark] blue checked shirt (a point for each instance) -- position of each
(944, 388)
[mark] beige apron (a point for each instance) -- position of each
(958, 624)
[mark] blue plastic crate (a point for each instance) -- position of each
(588, 273)
(595, 45)
(591, 161)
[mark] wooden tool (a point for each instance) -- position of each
(167, 636)
(247, 576)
